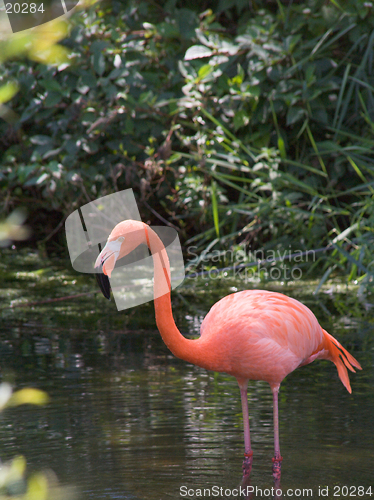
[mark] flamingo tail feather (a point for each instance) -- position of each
(341, 358)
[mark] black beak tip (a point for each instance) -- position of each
(103, 282)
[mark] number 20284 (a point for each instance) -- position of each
(23, 8)
(352, 491)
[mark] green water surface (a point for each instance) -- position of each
(127, 420)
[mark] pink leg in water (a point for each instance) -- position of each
(248, 453)
(277, 456)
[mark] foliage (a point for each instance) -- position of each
(12, 229)
(14, 480)
(253, 125)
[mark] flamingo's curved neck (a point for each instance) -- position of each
(192, 351)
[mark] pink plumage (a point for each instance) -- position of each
(252, 335)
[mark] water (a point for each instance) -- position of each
(127, 420)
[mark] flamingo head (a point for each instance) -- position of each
(125, 237)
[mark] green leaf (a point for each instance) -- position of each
(8, 91)
(99, 63)
(241, 119)
(51, 85)
(291, 41)
(98, 59)
(282, 149)
(197, 52)
(213, 193)
(34, 181)
(89, 79)
(294, 115)
(351, 259)
(204, 71)
(28, 396)
(324, 278)
(41, 140)
(24, 171)
(52, 99)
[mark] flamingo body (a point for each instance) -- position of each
(265, 335)
(252, 335)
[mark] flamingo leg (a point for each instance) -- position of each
(248, 453)
(277, 456)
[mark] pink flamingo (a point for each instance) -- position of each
(252, 335)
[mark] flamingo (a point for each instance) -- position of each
(252, 334)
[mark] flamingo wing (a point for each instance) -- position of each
(265, 335)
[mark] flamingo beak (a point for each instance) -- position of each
(106, 261)
(103, 282)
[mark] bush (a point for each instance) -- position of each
(224, 119)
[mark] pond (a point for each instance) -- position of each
(127, 420)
